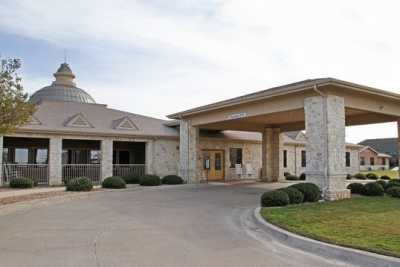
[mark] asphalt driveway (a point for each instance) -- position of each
(191, 225)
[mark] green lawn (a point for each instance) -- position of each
(368, 223)
(391, 174)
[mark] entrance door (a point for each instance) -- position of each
(214, 164)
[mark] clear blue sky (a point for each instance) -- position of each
(158, 57)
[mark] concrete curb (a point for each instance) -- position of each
(347, 255)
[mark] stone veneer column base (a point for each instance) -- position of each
(337, 195)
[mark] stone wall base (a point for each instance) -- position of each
(337, 195)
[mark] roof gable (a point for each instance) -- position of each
(124, 123)
(34, 121)
(79, 121)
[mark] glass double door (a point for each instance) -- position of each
(213, 164)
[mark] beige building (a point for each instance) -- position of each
(256, 136)
(371, 160)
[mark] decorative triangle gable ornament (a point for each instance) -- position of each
(78, 121)
(34, 121)
(125, 123)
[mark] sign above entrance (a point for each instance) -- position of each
(237, 115)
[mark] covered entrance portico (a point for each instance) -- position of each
(321, 107)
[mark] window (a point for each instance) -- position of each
(21, 155)
(362, 161)
(218, 161)
(235, 156)
(5, 155)
(95, 156)
(372, 161)
(383, 161)
(41, 156)
(303, 158)
(284, 158)
(347, 159)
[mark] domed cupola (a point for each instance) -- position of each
(62, 89)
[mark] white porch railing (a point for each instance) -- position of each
(91, 171)
(36, 172)
(129, 169)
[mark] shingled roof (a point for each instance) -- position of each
(383, 145)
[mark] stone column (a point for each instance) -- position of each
(189, 168)
(1, 160)
(55, 160)
(325, 133)
(106, 158)
(271, 171)
(150, 156)
(398, 145)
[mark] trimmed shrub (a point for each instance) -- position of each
(394, 191)
(113, 182)
(286, 174)
(150, 180)
(274, 198)
(291, 177)
(360, 176)
(356, 188)
(295, 196)
(302, 176)
(392, 183)
(172, 179)
(79, 184)
(385, 177)
(373, 189)
(131, 179)
(310, 191)
(372, 176)
(383, 183)
(348, 176)
(21, 183)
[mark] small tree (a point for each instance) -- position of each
(15, 110)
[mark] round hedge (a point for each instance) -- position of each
(348, 176)
(113, 182)
(373, 189)
(295, 195)
(383, 183)
(150, 180)
(172, 179)
(302, 176)
(385, 177)
(291, 177)
(21, 182)
(310, 191)
(360, 176)
(394, 191)
(274, 198)
(79, 184)
(131, 179)
(392, 183)
(356, 188)
(372, 176)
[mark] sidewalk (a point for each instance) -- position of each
(12, 192)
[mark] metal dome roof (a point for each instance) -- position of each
(62, 89)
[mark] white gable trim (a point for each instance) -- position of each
(125, 123)
(78, 121)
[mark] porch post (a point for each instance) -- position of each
(106, 159)
(398, 145)
(149, 156)
(189, 168)
(55, 160)
(1, 160)
(271, 146)
(325, 133)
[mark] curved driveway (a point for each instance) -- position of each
(191, 225)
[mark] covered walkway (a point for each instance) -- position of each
(321, 107)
